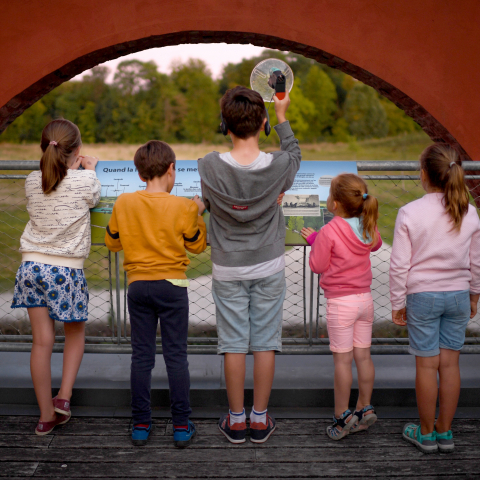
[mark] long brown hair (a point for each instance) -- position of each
(348, 190)
(60, 138)
(441, 163)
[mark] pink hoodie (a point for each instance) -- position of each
(342, 259)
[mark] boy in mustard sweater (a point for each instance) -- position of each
(154, 228)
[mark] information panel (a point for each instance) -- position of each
(304, 205)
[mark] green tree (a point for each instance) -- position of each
(398, 121)
(319, 89)
(28, 126)
(194, 81)
(364, 113)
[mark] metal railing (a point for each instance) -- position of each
(304, 329)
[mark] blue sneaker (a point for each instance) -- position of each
(140, 434)
(182, 437)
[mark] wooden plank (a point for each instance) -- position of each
(69, 429)
(275, 441)
(376, 454)
(155, 441)
(27, 441)
(318, 427)
(74, 419)
(132, 455)
(258, 470)
(274, 455)
(21, 469)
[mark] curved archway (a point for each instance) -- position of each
(413, 63)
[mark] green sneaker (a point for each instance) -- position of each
(445, 442)
(425, 443)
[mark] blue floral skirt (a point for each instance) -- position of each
(62, 290)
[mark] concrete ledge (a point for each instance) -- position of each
(301, 381)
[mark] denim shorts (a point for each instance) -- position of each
(62, 290)
(249, 313)
(437, 320)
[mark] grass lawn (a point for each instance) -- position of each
(402, 147)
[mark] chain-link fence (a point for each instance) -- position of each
(304, 328)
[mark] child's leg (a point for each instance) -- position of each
(263, 372)
(43, 331)
(366, 376)
(342, 381)
(72, 356)
(426, 389)
(452, 337)
(172, 305)
(235, 380)
(232, 300)
(362, 340)
(266, 314)
(449, 391)
(143, 321)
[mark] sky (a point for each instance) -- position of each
(215, 55)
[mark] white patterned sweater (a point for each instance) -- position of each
(58, 232)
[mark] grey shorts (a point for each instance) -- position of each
(249, 313)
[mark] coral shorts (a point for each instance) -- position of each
(349, 322)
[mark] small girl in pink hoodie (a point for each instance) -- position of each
(341, 254)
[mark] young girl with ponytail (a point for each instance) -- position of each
(50, 282)
(341, 254)
(435, 269)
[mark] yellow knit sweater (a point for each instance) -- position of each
(154, 229)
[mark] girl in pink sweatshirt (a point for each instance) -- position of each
(435, 268)
(341, 254)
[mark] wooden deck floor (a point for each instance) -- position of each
(101, 448)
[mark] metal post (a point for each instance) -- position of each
(117, 292)
(310, 328)
(110, 286)
(304, 293)
(125, 304)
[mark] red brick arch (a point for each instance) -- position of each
(421, 55)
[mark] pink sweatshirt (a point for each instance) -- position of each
(427, 256)
(342, 259)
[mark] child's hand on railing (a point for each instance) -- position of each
(309, 234)
(200, 204)
(399, 317)
(306, 232)
(89, 163)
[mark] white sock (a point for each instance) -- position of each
(258, 417)
(237, 417)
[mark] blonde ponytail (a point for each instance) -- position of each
(351, 192)
(370, 218)
(442, 166)
(60, 138)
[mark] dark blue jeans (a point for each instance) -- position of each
(149, 301)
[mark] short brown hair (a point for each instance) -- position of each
(153, 159)
(243, 111)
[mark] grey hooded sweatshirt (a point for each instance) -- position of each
(247, 226)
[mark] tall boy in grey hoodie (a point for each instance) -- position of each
(247, 237)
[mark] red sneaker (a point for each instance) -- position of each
(44, 428)
(260, 432)
(61, 406)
